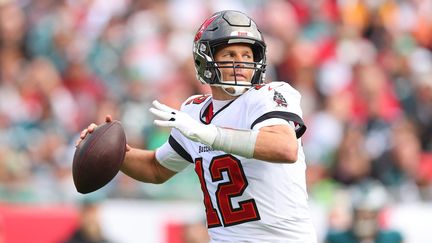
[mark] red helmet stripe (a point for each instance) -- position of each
(204, 26)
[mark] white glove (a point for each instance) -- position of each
(189, 127)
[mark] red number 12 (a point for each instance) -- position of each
(234, 187)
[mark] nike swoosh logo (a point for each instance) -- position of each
(270, 88)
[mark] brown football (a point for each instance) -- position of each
(98, 157)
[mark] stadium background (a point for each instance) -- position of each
(364, 68)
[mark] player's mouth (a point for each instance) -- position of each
(239, 77)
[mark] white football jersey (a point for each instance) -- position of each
(247, 200)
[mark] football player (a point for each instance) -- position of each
(244, 140)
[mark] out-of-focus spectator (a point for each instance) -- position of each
(374, 106)
(89, 229)
(321, 145)
(423, 105)
(88, 91)
(12, 32)
(352, 164)
(368, 200)
(400, 169)
(15, 176)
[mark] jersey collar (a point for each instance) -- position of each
(207, 115)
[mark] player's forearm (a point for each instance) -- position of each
(276, 144)
(142, 165)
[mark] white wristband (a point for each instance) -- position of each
(239, 142)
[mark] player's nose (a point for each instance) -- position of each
(239, 63)
(238, 57)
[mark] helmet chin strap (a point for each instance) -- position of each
(234, 90)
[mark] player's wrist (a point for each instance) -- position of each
(208, 134)
(197, 132)
(239, 142)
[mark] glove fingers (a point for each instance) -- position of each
(163, 123)
(163, 107)
(161, 114)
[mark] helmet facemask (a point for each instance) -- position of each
(233, 86)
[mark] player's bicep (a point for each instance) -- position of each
(281, 132)
(276, 143)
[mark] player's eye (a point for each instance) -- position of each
(247, 57)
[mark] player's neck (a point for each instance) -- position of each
(219, 104)
(219, 94)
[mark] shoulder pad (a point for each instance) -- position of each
(280, 86)
(196, 99)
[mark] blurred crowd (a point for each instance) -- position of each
(363, 67)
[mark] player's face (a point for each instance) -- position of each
(235, 53)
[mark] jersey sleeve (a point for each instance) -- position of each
(173, 154)
(169, 158)
(276, 103)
